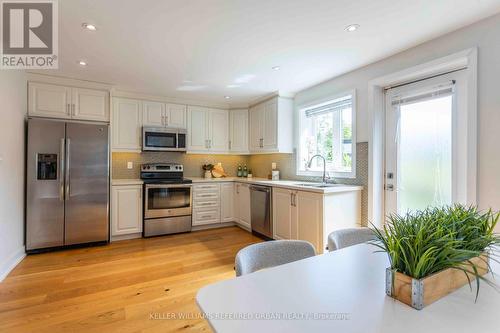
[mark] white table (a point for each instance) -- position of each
(350, 281)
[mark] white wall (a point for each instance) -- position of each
(486, 36)
(13, 99)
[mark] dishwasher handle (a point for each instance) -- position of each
(260, 188)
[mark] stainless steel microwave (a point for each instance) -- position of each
(163, 139)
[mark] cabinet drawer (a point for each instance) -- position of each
(208, 216)
(205, 204)
(206, 188)
(204, 196)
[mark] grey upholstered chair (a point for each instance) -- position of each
(269, 254)
(348, 237)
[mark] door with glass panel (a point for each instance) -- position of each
(423, 121)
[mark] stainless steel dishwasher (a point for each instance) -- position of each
(260, 210)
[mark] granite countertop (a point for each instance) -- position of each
(116, 182)
(290, 184)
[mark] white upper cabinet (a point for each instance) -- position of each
(46, 100)
(54, 101)
(197, 128)
(208, 130)
(271, 126)
(153, 114)
(158, 114)
(238, 131)
(90, 104)
(126, 125)
(175, 115)
(256, 115)
(218, 128)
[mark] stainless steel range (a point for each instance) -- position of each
(167, 199)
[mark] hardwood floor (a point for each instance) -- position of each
(129, 286)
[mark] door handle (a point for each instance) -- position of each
(61, 169)
(67, 195)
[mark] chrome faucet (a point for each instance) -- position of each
(324, 165)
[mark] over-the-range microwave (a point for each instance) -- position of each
(163, 139)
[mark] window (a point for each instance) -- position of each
(327, 128)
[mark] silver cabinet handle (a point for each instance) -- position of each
(166, 120)
(67, 195)
(229, 144)
(291, 199)
(68, 109)
(73, 109)
(61, 169)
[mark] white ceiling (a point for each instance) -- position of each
(197, 49)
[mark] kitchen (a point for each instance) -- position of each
(143, 175)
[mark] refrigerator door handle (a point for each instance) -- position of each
(62, 161)
(68, 142)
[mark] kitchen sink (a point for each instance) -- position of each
(318, 185)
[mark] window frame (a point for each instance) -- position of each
(299, 109)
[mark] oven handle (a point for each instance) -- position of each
(168, 185)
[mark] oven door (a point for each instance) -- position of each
(159, 140)
(165, 200)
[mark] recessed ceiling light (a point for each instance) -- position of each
(89, 26)
(276, 68)
(227, 97)
(352, 27)
(233, 86)
(82, 63)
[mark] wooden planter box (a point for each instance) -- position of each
(420, 293)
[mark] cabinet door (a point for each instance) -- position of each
(218, 130)
(238, 131)
(46, 100)
(175, 115)
(126, 210)
(127, 124)
(197, 128)
(270, 126)
(309, 208)
(227, 202)
(90, 104)
(255, 129)
(244, 205)
(282, 213)
(153, 114)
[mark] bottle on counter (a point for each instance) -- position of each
(245, 171)
(240, 171)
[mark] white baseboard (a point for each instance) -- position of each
(11, 263)
(126, 237)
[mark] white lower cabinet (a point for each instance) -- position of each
(242, 205)
(126, 209)
(227, 202)
(298, 215)
(221, 203)
(206, 204)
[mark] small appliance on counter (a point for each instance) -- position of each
(167, 199)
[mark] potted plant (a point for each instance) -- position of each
(436, 251)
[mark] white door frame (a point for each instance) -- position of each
(466, 59)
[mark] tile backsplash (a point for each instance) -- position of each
(192, 163)
(260, 165)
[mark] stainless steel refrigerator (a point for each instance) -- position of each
(67, 189)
